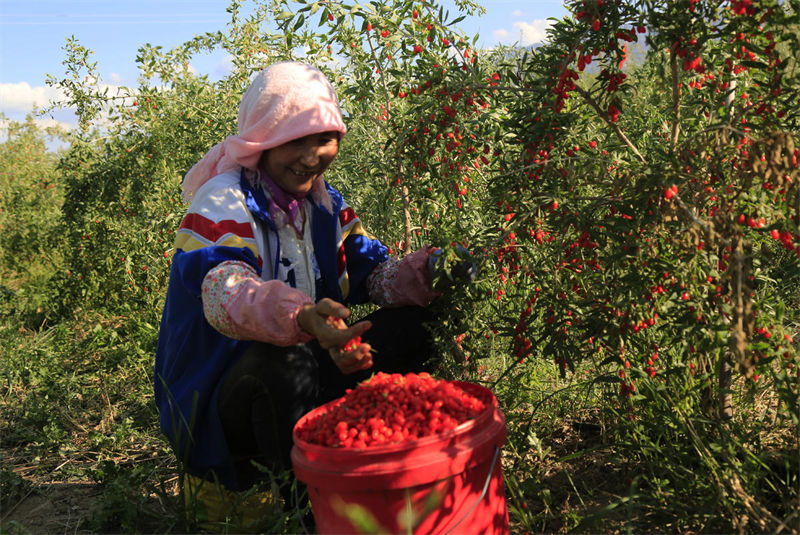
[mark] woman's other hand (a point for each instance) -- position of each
(325, 321)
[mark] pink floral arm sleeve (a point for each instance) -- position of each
(402, 282)
(240, 305)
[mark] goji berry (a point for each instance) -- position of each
(351, 344)
(391, 408)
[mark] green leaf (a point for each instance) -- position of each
(760, 65)
(606, 379)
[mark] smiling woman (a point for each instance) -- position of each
(267, 259)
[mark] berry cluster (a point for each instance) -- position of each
(391, 408)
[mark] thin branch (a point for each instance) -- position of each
(603, 115)
(676, 102)
(406, 218)
(501, 88)
(403, 190)
(380, 71)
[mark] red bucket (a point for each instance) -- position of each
(447, 483)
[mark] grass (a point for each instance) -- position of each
(76, 411)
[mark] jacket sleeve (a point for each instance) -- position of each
(216, 228)
(192, 356)
(240, 305)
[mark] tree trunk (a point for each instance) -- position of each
(725, 402)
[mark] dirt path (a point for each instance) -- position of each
(52, 508)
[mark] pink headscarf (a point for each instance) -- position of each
(287, 100)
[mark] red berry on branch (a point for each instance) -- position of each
(613, 113)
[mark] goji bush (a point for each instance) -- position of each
(639, 225)
(660, 231)
(30, 204)
(615, 218)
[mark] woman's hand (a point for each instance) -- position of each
(325, 321)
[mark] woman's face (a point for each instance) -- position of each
(295, 165)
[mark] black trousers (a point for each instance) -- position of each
(270, 388)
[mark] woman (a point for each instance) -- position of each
(267, 258)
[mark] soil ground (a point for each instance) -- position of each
(54, 507)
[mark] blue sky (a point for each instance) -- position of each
(33, 32)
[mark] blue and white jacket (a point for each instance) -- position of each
(229, 220)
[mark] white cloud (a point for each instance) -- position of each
(524, 33)
(532, 32)
(115, 78)
(500, 35)
(50, 122)
(17, 100)
(224, 67)
(22, 98)
(517, 13)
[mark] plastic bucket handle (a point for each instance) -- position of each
(483, 492)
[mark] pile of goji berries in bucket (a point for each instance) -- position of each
(414, 453)
(390, 408)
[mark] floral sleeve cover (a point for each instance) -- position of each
(402, 282)
(240, 305)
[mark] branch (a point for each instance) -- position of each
(603, 115)
(380, 71)
(676, 102)
(706, 227)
